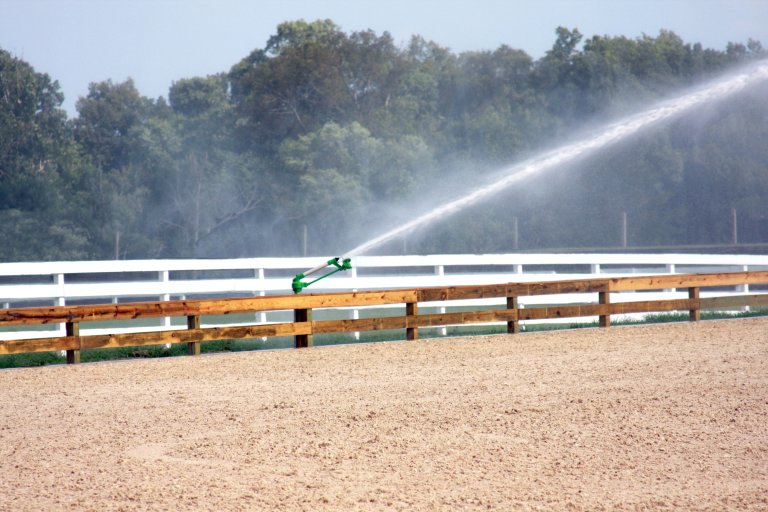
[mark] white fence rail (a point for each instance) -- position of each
(68, 283)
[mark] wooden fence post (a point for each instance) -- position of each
(695, 312)
(513, 326)
(73, 329)
(411, 310)
(193, 347)
(302, 340)
(605, 298)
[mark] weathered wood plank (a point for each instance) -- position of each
(132, 310)
(462, 292)
(687, 280)
(544, 313)
(466, 317)
(39, 345)
(189, 336)
(197, 335)
(128, 311)
(651, 306)
(360, 324)
(425, 320)
(734, 301)
(558, 287)
(620, 308)
(511, 289)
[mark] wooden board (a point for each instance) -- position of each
(133, 310)
(193, 309)
(512, 290)
(665, 281)
(38, 345)
(734, 301)
(128, 311)
(197, 335)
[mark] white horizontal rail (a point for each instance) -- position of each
(299, 264)
(62, 282)
(253, 286)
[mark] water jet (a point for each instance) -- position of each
(601, 138)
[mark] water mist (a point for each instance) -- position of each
(602, 138)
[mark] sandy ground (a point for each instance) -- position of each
(628, 418)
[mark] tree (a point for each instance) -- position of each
(556, 76)
(38, 161)
(107, 119)
(119, 182)
(340, 174)
(492, 104)
(206, 189)
(295, 89)
(328, 129)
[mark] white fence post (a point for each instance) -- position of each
(355, 311)
(670, 267)
(440, 271)
(744, 288)
(58, 280)
(261, 316)
(166, 321)
(61, 300)
(165, 297)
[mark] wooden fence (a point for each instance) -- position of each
(71, 283)
(303, 327)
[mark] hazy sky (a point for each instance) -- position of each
(158, 41)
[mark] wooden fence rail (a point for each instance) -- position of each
(303, 327)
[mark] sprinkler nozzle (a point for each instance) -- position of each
(297, 285)
(340, 264)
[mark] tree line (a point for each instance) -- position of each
(342, 134)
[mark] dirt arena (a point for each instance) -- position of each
(655, 417)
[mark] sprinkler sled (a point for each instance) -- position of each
(338, 264)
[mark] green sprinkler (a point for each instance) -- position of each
(338, 265)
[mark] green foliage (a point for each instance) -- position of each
(107, 120)
(39, 164)
(325, 129)
(336, 173)
(33, 359)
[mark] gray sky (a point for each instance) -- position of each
(158, 41)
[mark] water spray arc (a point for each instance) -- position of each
(602, 138)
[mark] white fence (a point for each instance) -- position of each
(68, 283)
